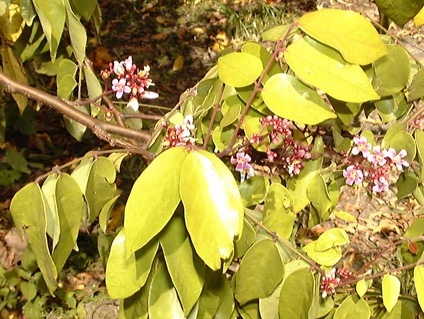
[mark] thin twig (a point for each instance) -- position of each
(216, 108)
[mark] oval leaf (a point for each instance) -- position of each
(239, 69)
(212, 206)
(282, 92)
(361, 287)
(419, 284)
(261, 270)
(341, 80)
(391, 290)
(153, 198)
(347, 31)
(353, 308)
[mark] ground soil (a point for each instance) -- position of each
(180, 41)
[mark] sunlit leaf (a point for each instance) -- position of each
(361, 287)
(29, 215)
(353, 308)
(391, 290)
(347, 31)
(275, 33)
(331, 238)
(239, 69)
(52, 217)
(213, 208)
(327, 257)
(317, 193)
(261, 270)
(296, 295)
(404, 140)
(419, 284)
(153, 198)
(314, 65)
(282, 92)
(185, 267)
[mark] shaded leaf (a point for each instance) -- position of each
(343, 81)
(416, 89)
(260, 271)
(400, 11)
(153, 199)
(347, 31)
(406, 184)
(317, 193)
(77, 33)
(212, 206)
(239, 69)
(419, 139)
(253, 190)
(246, 240)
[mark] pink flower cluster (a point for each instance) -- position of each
(179, 134)
(373, 165)
(286, 152)
(130, 80)
(332, 280)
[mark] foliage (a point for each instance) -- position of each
(213, 225)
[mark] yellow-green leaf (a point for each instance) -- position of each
(239, 69)
(327, 257)
(289, 98)
(347, 31)
(342, 80)
(419, 18)
(391, 290)
(212, 207)
(361, 287)
(353, 307)
(419, 284)
(153, 198)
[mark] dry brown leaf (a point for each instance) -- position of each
(386, 225)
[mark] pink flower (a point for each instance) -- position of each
(353, 175)
(118, 68)
(397, 159)
(128, 63)
(361, 145)
(329, 283)
(378, 157)
(242, 160)
(120, 87)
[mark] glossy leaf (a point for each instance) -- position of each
(100, 186)
(163, 299)
(416, 89)
(232, 105)
(77, 33)
(70, 209)
(65, 78)
(153, 198)
(260, 271)
(239, 69)
(353, 308)
(282, 91)
(400, 11)
(29, 215)
(213, 208)
(82, 172)
(52, 17)
(419, 284)
(315, 66)
(391, 72)
(185, 267)
(391, 290)
(296, 295)
(347, 31)
(125, 275)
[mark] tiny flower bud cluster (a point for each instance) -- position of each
(179, 134)
(129, 80)
(284, 150)
(373, 165)
(332, 280)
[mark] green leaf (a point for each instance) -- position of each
(260, 52)
(212, 207)
(406, 184)
(391, 132)
(328, 258)
(29, 215)
(52, 18)
(85, 8)
(317, 193)
(16, 160)
(260, 271)
(391, 72)
(246, 240)
(419, 139)
(353, 308)
(163, 299)
(361, 287)
(345, 216)
(278, 200)
(105, 213)
(29, 290)
(239, 69)
(404, 140)
(419, 284)
(185, 267)
(391, 289)
(331, 238)
(275, 33)
(249, 310)
(280, 223)
(82, 172)
(296, 295)
(136, 306)
(70, 209)
(400, 11)
(416, 89)
(94, 87)
(125, 275)
(75, 128)
(153, 198)
(282, 91)
(253, 190)
(314, 65)
(231, 110)
(100, 185)
(77, 33)
(65, 78)
(347, 31)
(401, 310)
(28, 11)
